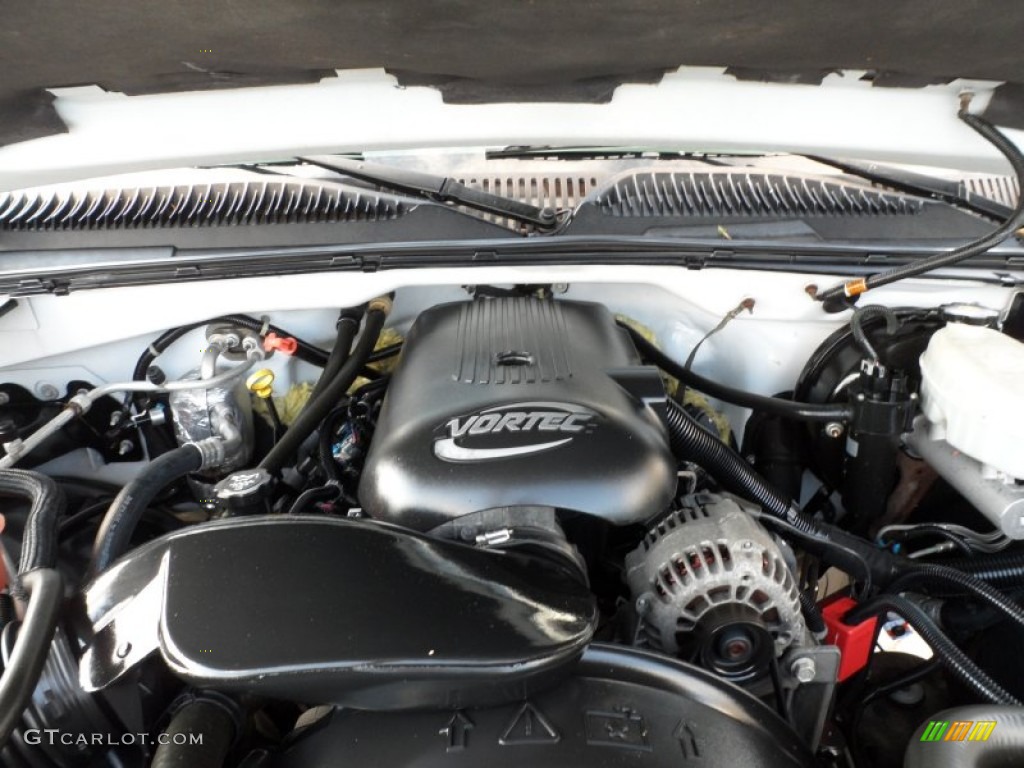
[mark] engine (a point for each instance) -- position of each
(507, 530)
(518, 402)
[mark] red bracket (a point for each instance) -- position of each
(853, 640)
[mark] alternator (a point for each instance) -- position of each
(712, 586)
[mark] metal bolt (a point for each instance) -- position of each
(125, 447)
(46, 391)
(803, 669)
(4, 398)
(123, 650)
(115, 418)
(643, 605)
(834, 429)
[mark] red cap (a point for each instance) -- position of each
(285, 344)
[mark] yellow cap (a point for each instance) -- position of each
(261, 383)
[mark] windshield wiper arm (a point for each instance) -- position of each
(440, 189)
(952, 191)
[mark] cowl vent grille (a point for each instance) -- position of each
(244, 202)
(745, 194)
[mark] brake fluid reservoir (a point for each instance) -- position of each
(972, 393)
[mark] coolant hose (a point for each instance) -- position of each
(128, 507)
(39, 541)
(316, 410)
(955, 660)
(40, 583)
(689, 440)
(182, 746)
(348, 326)
(1004, 744)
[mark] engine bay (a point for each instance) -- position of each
(564, 523)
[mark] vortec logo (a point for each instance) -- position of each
(522, 428)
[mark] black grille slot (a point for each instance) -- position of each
(745, 194)
(270, 202)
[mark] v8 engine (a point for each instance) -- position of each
(518, 402)
(506, 529)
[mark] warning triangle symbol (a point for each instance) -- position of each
(529, 726)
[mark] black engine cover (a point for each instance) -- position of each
(517, 401)
(621, 709)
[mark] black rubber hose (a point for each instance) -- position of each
(199, 736)
(950, 577)
(947, 258)
(855, 555)
(39, 583)
(46, 507)
(775, 405)
(385, 352)
(121, 519)
(892, 324)
(316, 410)
(43, 587)
(955, 660)
(348, 327)
(1005, 569)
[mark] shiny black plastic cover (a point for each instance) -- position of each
(516, 401)
(359, 613)
(621, 708)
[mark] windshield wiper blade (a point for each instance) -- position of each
(952, 191)
(440, 189)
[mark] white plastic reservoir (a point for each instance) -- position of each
(973, 395)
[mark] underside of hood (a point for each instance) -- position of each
(486, 51)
